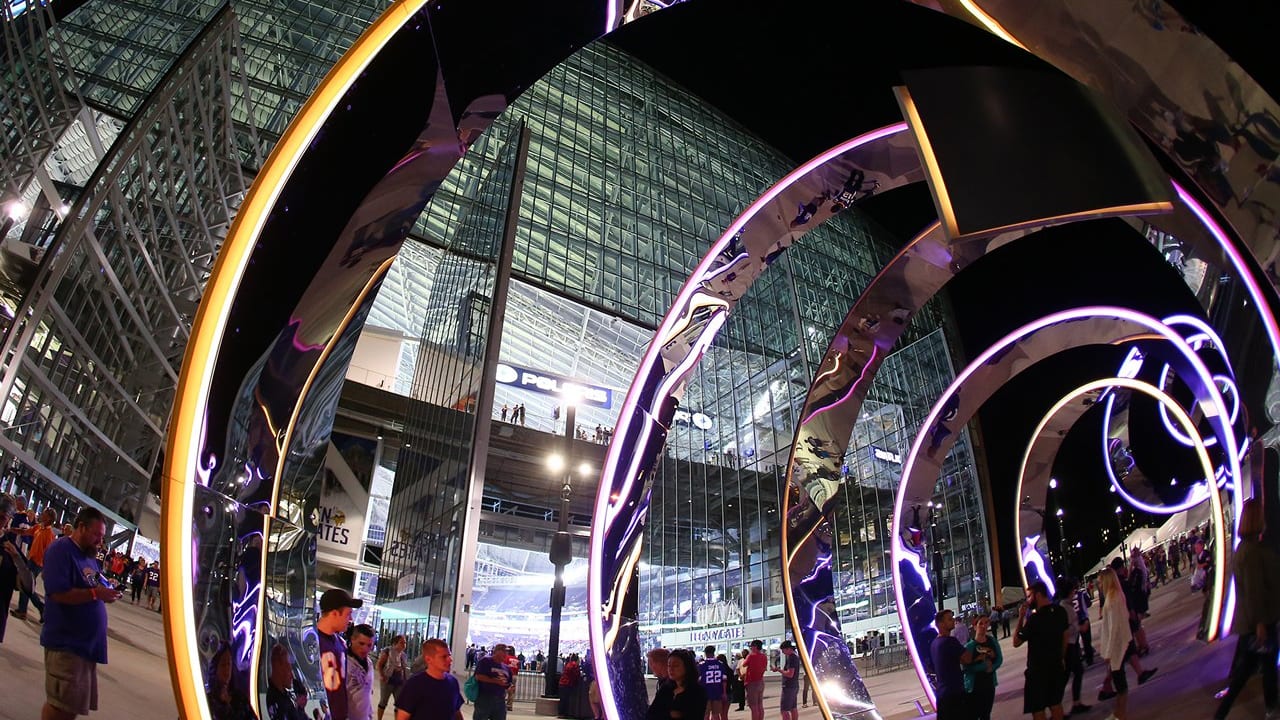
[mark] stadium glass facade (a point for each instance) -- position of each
(627, 180)
(132, 130)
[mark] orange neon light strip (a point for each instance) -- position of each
(186, 428)
(1216, 515)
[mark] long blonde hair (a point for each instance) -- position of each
(1110, 586)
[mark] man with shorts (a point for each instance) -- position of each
(74, 635)
(790, 669)
(715, 683)
(152, 587)
(1043, 626)
(756, 664)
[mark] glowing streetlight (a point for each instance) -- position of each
(16, 210)
(555, 462)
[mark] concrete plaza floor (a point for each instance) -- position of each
(135, 684)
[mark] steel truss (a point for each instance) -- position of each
(93, 353)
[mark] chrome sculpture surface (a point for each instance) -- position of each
(261, 458)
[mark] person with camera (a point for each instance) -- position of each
(74, 635)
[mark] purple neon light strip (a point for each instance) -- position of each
(999, 347)
(1203, 331)
(852, 388)
(1238, 264)
(1031, 556)
(602, 510)
(1259, 298)
(1193, 498)
(673, 378)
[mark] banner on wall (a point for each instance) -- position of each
(344, 498)
(551, 384)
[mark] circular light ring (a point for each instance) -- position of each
(1201, 333)
(1131, 367)
(815, 464)
(973, 386)
(1197, 491)
(845, 382)
(1035, 472)
(1228, 388)
(743, 252)
(184, 467)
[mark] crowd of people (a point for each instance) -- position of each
(693, 687)
(1058, 631)
(80, 580)
(73, 614)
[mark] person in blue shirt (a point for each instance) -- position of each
(336, 605)
(985, 658)
(74, 635)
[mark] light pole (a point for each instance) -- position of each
(1062, 543)
(561, 549)
(932, 519)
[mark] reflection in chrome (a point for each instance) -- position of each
(749, 245)
(186, 496)
(1035, 481)
(1204, 335)
(973, 386)
(1124, 473)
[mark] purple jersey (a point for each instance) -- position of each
(711, 676)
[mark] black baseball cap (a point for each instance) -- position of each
(786, 645)
(336, 599)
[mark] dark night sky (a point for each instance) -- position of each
(803, 84)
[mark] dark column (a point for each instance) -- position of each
(561, 555)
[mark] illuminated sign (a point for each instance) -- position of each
(18, 7)
(699, 420)
(885, 455)
(550, 384)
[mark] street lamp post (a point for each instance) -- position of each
(932, 519)
(561, 554)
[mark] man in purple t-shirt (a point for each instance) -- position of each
(335, 615)
(74, 635)
(494, 676)
(432, 694)
(715, 682)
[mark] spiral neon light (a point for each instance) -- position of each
(1216, 516)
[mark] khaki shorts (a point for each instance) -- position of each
(70, 682)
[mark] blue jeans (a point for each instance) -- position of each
(490, 707)
(30, 597)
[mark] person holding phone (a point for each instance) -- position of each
(74, 635)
